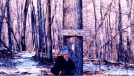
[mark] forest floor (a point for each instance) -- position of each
(23, 64)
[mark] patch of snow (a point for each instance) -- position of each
(109, 70)
(27, 54)
(24, 64)
(20, 60)
(32, 69)
(1, 63)
(27, 63)
(89, 67)
(8, 70)
(120, 71)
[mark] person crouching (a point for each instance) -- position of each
(64, 65)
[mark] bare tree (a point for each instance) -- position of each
(40, 21)
(95, 23)
(130, 36)
(18, 22)
(34, 30)
(121, 49)
(49, 37)
(3, 10)
(9, 27)
(23, 44)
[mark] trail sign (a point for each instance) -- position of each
(74, 32)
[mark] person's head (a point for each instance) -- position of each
(65, 52)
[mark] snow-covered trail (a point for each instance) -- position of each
(22, 65)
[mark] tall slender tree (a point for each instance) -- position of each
(34, 31)
(95, 23)
(40, 21)
(2, 16)
(10, 43)
(18, 22)
(49, 37)
(130, 26)
(23, 43)
(121, 49)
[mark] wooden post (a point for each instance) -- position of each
(72, 19)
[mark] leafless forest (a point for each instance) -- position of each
(34, 25)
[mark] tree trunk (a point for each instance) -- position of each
(49, 37)
(101, 32)
(96, 40)
(130, 39)
(121, 49)
(34, 35)
(18, 23)
(40, 19)
(10, 43)
(23, 44)
(3, 9)
(72, 19)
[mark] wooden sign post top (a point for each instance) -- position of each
(74, 32)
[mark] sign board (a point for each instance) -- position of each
(74, 32)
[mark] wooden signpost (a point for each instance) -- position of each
(74, 32)
(76, 42)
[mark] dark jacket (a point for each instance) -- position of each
(67, 67)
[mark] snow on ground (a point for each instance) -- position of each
(27, 54)
(24, 64)
(109, 70)
(27, 65)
